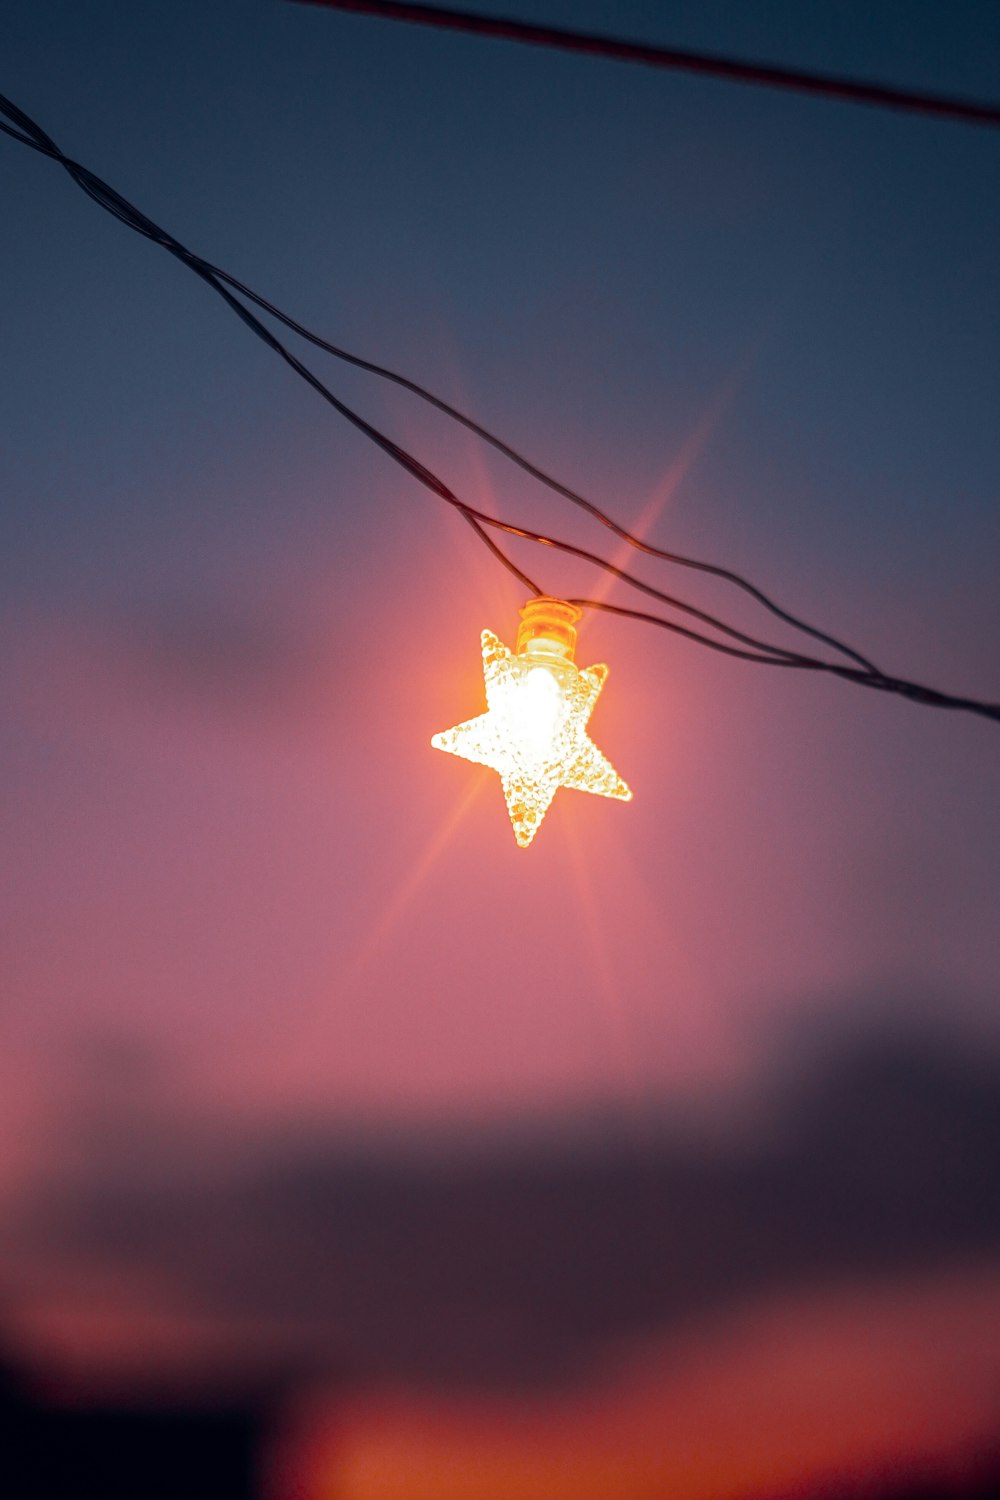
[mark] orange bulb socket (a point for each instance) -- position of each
(548, 630)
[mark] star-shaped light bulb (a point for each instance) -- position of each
(534, 731)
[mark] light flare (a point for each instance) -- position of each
(534, 730)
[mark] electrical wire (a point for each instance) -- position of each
(556, 485)
(28, 133)
(128, 214)
(711, 65)
(916, 692)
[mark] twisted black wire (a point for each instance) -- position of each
(865, 674)
(126, 212)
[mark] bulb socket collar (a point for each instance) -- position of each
(548, 630)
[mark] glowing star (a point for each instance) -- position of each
(534, 732)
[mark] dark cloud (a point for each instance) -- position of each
(226, 656)
(519, 1262)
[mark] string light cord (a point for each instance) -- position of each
(706, 64)
(28, 133)
(126, 212)
(479, 520)
(32, 135)
(548, 480)
(916, 692)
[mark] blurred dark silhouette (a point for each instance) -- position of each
(516, 1262)
(513, 1263)
(53, 1451)
(985, 1485)
(99, 1453)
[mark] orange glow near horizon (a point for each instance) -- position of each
(857, 1383)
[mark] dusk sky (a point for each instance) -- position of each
(680, 1127)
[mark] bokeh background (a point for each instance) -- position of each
(662, 1158)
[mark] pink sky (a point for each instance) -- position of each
(679, 1129)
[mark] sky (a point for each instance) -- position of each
(682, 1121)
